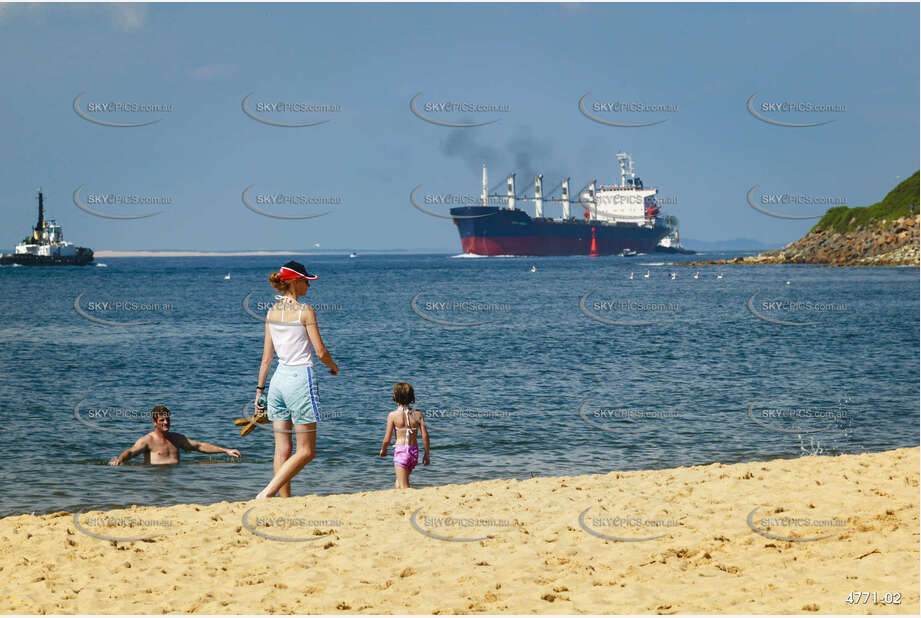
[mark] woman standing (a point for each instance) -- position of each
(291, 332)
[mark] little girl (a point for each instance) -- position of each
(406, 422)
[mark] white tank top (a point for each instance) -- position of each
(292, 345)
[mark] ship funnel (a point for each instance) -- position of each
(37, 232)
(41, 210)
(510, 185)
(538, 196)
(565, 199)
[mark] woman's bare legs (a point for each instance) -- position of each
(282, 430)
(306, 451)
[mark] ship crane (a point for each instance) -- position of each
(511, 197)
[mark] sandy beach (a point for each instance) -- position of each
(785, 536)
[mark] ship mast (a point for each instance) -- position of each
(37, 232)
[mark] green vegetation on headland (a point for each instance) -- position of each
(884, 234)
(900, 202)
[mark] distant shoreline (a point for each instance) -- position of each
(130, 254)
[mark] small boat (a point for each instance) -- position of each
(631, 276)
(646, 276)
(533, 268)
(719, 276)
(697, 275)
(101, 265)
(227, 277)
(46, 246)
(628, 253)
(674, 276)
(353, 255)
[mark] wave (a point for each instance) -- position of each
(474, 255)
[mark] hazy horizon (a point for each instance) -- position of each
(703, 74)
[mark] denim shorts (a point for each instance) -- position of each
(293, 395)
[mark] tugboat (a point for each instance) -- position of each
(671, 244)
(46, 245)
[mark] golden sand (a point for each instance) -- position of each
(368, 552)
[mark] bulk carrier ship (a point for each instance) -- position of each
(616, 219)
(46, 246)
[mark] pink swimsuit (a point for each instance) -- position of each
(404, 455)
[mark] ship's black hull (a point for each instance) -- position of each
(82, 257)
(486, 230)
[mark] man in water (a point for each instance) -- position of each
(161, 446)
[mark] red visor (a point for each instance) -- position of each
(289, 273)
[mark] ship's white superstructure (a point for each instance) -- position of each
(628, 202)
(47, 241)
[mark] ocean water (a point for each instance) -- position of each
(533, 377)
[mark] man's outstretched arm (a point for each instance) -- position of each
(139, 447)
(203, 447)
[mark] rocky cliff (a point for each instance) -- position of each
(885, 234)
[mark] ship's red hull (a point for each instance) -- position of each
(531, 245)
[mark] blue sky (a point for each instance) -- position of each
(370, 60)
